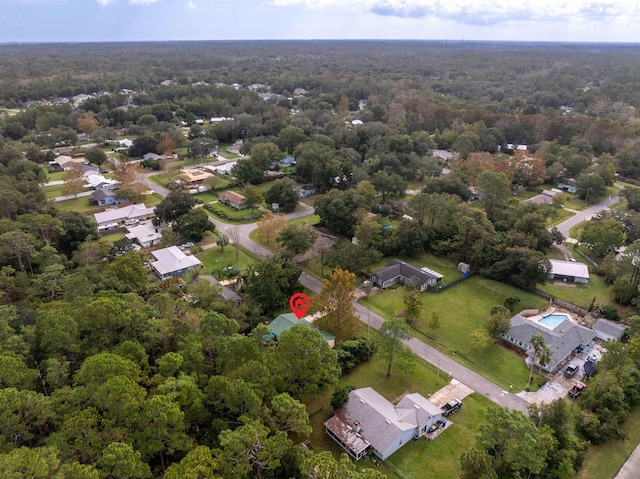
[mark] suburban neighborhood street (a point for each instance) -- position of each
(449, 367)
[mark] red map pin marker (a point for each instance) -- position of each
(299, 303)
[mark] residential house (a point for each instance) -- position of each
(31, 103)
(569, 185)
(398, 207)
(288, 320)
(194, 175)
(81, 97)
(300, 92)
(306, 190)
(60, 100)
(171, 262)
(400, 272)
(288, 161)
(95, 181)
(233, 199)
(569, 271)
(152, 156)
(357, 122)
(105, 197)
(125, 214)
(102, 93)
(362, 104)
(606, 329)
(442, 155)
(235, 86)
(220, 119)
(125, 143)
(272, 97)
(227, 293)
(257, 86)
(225, 168)
(562, 340)
(369, 420)
(166, 83)
(145, 234)
(64, 162)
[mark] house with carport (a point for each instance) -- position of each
(369, 421)
(569, 271)
(129, 213)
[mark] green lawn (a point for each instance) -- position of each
(56, 176)
(417, 459)
(227, 214)
(562, 215)
(604, 461)
(461, 310)
(226, 153)
(52, 191)
(76, 204)
(582, 294)
(214, 259)
(160, 179)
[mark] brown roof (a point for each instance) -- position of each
(232, 197)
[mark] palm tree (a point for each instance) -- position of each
(541, 352)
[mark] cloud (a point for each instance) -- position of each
(485, 12)
(192, 5)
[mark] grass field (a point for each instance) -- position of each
(417, 459)
(222, 149)
(461, 310)
(52, 191)
(214, 259)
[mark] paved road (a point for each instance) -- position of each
(585, 215)
(449, 367)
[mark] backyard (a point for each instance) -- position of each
(461, 310)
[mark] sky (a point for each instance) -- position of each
(170, 20)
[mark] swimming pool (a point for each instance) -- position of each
(552, 321)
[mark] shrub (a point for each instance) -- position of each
(340, 396)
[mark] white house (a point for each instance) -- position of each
(571, 271)
(369, 420)
(128, 213)
(145, 234)
(172, 262)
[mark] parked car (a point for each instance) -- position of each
(571, 370)
(577, 388)
(452, 406)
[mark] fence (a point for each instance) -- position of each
(441, 288)
(562, 303)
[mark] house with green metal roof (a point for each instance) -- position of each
(288, 320)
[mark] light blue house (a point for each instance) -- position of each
(105, 197)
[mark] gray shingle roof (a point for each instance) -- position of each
(608, 329)
(381, 421)
(561, 340)
(400, 268)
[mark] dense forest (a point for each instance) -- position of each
(105, 374)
